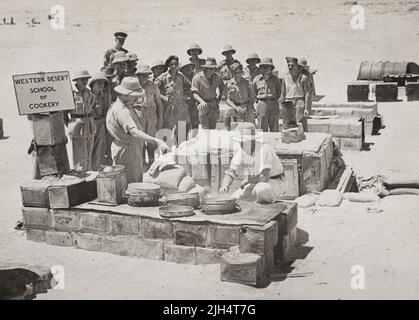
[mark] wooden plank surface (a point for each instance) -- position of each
(244, 217)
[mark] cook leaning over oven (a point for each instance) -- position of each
(262, 167)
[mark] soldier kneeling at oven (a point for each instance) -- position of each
(262, 168)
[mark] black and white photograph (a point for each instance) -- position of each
(209, 150)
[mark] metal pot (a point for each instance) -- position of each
(184, 199)
(143, 194)
(175, 211)
(219, 205)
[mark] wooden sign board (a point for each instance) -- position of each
(43, 92)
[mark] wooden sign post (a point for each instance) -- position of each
(44, 97)
(43, 92)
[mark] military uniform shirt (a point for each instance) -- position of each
(83, 101)
(152, 93)
(238, 92)
(267, 89)
(251, 75)
(207, 90)
(120, 120)
(171, 86)
(224, 69)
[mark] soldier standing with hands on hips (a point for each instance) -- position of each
(295, 96)
(267, 89)
(204, 90)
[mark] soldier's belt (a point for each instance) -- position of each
(241, 103)
(81, 116)
(210, 100)
(293, 99)
(148, 106)
(267, 99)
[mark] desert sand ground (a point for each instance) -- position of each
(386, 244)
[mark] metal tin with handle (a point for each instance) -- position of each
(143, 194)
(219, 205)
(184, 199)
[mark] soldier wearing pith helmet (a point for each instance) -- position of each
(119, 65)
(158, 67)
(252, 70)
(119, 43)
(101, 153)
(267, 90)
(194, 51)
(239, 97)
(131, 67)
(82, 125)
(187, 68)
(224, 67)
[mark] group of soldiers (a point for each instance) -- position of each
(120, 109)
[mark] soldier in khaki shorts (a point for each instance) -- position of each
(295, 96)
(176, 113)
(151, 108)
(204, 90)
(187, 69)
(267, 89)
(239, 97)
(81, 124)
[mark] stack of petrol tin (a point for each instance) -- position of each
(50, 143)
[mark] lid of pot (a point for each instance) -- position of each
(182, 195)
(176, 211)
(219, 199)
(143, 186)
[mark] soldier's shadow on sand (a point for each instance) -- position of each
(4, 137)
(367, 146)
(299, 252)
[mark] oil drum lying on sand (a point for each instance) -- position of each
(375, 71)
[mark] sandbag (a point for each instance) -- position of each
(168, 178)
(186, 184)
(198, 189)
(361, 197)
(383, 193)
(166, 191)
(307, 200)
(401, 191)
(401, 182)
(330, 198)
(164, 162)
(264, 193)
